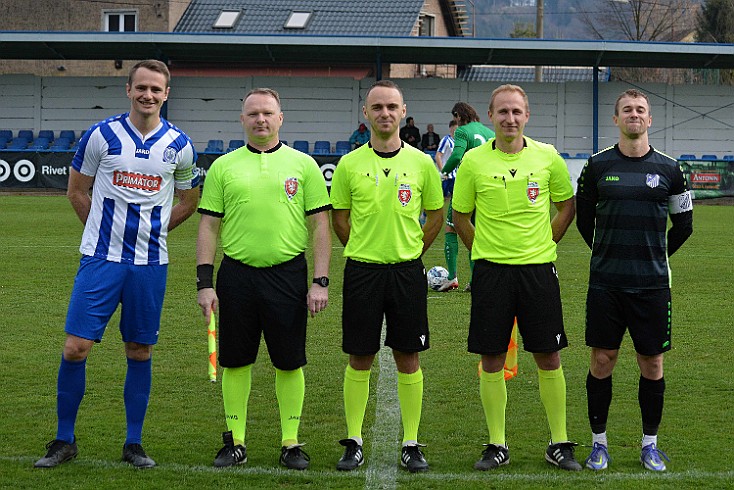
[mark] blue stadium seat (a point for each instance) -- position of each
(728, 158)
(284, 142)
(234, 144)
(40, 143)
(321, 147)
(18, 144)
(68, 133)
(46, 133)
(26, 133)
(564, 155)
(584, 156)
(61, 143)
(301, 145)
(342, 147)
(687, 156)
(7, 134)
(709, 157)
(214, 146)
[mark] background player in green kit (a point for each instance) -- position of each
(378, 192)
(470, 134)
(261, 199)
(625, 195)
(510, 182)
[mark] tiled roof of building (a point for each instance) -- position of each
(484, 73)
(338, 17)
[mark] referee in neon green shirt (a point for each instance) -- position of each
(378, 192)
(510, 182)
(260, 199)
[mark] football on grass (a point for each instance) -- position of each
(436, 276)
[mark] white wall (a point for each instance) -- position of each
(686, 119)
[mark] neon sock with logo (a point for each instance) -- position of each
(356, 394)
(136, 395)
(451, 251)
(493, 394)
(290, 388)
(70, 388)
(410, 395)
(236, 384)
(552, 386)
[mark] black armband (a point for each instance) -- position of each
(204, 276)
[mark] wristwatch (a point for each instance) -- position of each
(322, 281)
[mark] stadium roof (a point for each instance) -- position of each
(551, 74)
(376, 17)
(308, 49)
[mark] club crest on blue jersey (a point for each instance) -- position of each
(169, 155)
(652, 180)
(291, 187)
(405, 194)
(533, 191)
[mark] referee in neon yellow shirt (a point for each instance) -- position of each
(261, 199)
(378, 192)
(510, 182)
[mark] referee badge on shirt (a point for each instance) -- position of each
(404, 194)
(533, 191)
(652, 180)
(291, 187)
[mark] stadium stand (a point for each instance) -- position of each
(18, 143)
(687, 156)
(6, 134)
(67, 133)
(234, 144)
(301, 145)
(709, 157)
(564, 155)
(61, 143)
(214, 146)
(40, 143)
(321, 147)
(584, 156)
(46, 133)
(26, 133)
(342, 147)
(728, 158)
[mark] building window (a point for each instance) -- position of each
(121, 21)
(427, 25)
(297, 20)
(227, 19)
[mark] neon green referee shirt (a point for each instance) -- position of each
(263, 200)
(512, 196)
(385, 197)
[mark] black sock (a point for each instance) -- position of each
(598, 398)
(651, 396)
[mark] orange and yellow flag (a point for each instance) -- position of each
(511, 359)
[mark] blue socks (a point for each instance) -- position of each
(136, 394)
(70, 387)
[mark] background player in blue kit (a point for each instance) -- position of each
(624, 197)
(136, 162)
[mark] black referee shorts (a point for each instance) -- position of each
(500, 293)
(263, 300)
(396, 292)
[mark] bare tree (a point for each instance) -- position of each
(642, 20)
(639, 20)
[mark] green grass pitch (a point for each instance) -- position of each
(40, 238)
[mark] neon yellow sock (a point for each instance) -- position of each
(356, 393)
(410, 395)
(290, 388)
(236, 383)
(553, 394)
(493, 393)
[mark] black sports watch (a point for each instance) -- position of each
(322, 281)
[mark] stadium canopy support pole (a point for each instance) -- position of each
(378, 65)
(595, 123)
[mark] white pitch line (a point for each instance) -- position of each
(382, 465)
(556, 476)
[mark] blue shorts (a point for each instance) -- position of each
(101, 285)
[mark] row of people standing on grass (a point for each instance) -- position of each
(263, 201)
